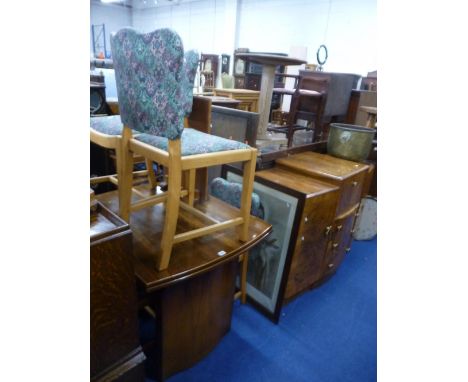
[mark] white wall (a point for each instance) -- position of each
(347, 27)
(113, 16)
(205, 25)
(276, 25)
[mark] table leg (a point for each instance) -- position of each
(264, 101)
(264, 106)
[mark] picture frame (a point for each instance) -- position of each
(269, 262)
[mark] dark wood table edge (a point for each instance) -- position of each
(194, 272)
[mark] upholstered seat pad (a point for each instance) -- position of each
(194, 142)
(231, 193)
(109, 125)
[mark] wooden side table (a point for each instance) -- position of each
(224, 101)
(248, 98)
(116, 354)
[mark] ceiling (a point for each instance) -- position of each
(145, 4)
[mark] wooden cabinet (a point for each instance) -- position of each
(311, 201)
(350, 177)
(290, 260)
(116, 354)
(340, 243)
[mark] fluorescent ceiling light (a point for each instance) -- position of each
(111, 1)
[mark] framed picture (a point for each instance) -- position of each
(225, 59)
(239, 67)
(269, 261)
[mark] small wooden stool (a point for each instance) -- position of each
(371, 115)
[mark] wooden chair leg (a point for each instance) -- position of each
(191, 186)
(246, 201)
(172, 203)
(125, 174)
(151, 177)
(243, 277)
(371, 119)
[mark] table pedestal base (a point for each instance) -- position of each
(191, 318)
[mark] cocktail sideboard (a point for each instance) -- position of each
(311, 201)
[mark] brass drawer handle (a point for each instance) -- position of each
(338, 228)
(335, 245)
(327, 230)
(354, 184)
(331, 265)
(348, 250)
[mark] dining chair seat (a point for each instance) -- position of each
(193, 142)
(109, 125)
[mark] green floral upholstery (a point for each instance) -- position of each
(231, 193)
(154, 80)
(194, 142)
(110, 125)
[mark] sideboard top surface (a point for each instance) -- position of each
(295, 181)
(322, 164)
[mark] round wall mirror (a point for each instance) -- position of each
(322, 56)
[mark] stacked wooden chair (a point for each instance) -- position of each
(106, 132)
(155, 88)
(308, 102)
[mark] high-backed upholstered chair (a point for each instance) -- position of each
(154, 85)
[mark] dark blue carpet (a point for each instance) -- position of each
(328, 334)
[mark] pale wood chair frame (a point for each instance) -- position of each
(175, 163)
(114, 142)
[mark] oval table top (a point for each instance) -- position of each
(189, 258)
(270, 59)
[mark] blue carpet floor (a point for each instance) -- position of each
(328, 334)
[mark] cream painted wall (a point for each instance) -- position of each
(276, 25)
(347, 27)
(113, 16)
(205, 25)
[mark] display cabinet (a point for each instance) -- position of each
(248, 75)
(209, 71)
(225, 61)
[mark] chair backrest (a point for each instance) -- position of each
(311, 104)
(318, 84)
(154, 80)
